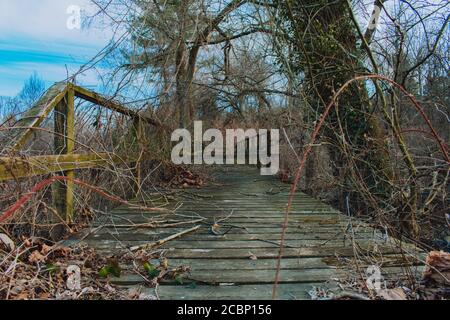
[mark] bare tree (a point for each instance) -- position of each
(32, 90)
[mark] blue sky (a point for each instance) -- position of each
(34, 37)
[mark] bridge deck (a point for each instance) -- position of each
(241, 264)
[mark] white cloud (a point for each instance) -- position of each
(46, 20)
(34, 37)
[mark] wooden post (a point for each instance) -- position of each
(140, 136)
(63, 197)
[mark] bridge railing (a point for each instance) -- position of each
(60, 99)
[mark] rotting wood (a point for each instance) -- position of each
(17, 168)
(63, 198)
(111, 104)
(34, 116)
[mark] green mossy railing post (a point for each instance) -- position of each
(64, 121)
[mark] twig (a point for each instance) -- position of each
(153, 225)
(165, 240)
(226, 218)
(314, 137)
(273, 242)
(11, 210)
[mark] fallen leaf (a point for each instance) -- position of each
(179, 279)
(252, 256)
(46, 249)
(16, 290)
(44, 296)
(52, 268)
(114, 268)
(7, 242)
(215, 229)
(152, 271)
(88, 290)
(104, 272)
(133, 293)
(438, 268)
(27, 243)
(393, 294)
(36, 257)
(164, 263)
(22, 296)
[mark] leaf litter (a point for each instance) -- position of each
(37, 270)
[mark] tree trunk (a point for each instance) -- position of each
(326, 53)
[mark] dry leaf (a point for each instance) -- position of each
(44, 296)
(393, 294)
(253, 257)
(7, 242)
(215, 229)
(46, 249)
(16, 290)
(133, 293)
(438, 268)
(22, 296)
(27, 243)
(164, 263)
(36, 257)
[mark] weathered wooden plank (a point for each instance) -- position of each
(298, 291)
(238, 277)
(290, 263)
(215, 277)
(251, 201)
(111, 104)
(148, 235)
(241, 221)
(17, 168)
(64, 122)
(231, 244)
(261, 292)
(260, 253)
(33, 117)
(251, 244)
(257, 229)
(256, 203)
(253, 212)
(267, 253)
(208, 196)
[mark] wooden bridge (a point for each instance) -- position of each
(227, 233)
(231, 248)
